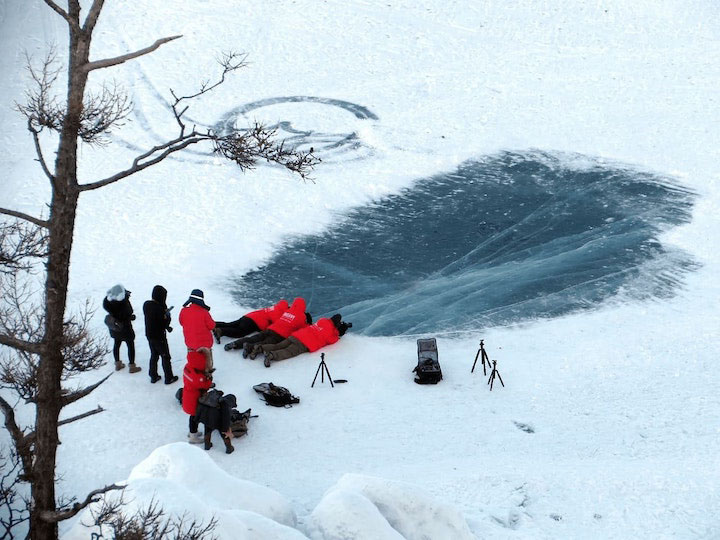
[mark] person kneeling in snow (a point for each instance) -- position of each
(308, 339)
(255, 321)
(196, 380)
(213, 412)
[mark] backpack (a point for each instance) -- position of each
(428, 368)
(238, 422)
(178, 395)
(211, 398)
(113, 324)
(277, 396)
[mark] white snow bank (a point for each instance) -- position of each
(186, 482)
(366, 507)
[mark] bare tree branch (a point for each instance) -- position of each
(107, 62)
(21, 244)
(20, 344)
(38, 151)
(92, 17)
(21, 215)
(15, 432)
(73, 24)
(12, 514)
(168, 148)
(93, 496)
(101, 112)
(72, 397)
(81, 416)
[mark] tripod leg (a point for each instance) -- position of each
(492, 380)
(501, 381)
(475, 362)
(316, 374)
(328, 374)
(484, 360)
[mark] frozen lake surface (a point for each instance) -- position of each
(502, 239)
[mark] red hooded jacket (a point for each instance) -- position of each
(293, 319)
(317, 335)
(266, 316)
(194, 381)
(197, 325)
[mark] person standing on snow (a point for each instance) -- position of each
(197, 325)
(117, 304)
(308, 339)
(157, 323)
(255, 321)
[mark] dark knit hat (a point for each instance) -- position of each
(197, 297)
(231, 400)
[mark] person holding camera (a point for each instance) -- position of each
(120, 311)
(309, 339)
(157, 324)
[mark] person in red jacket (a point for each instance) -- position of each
(255, 321)
(197, 325)
(308, 339)
(293, 319)
(195, 382)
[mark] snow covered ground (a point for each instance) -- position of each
(609, 422)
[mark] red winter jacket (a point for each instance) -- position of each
(197, 324)
(266, 316)
(293, 319)
(317, 335)
(194, 380)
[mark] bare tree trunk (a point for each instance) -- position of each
(55, 347)
(62, 224)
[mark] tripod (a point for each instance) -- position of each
(493, 374)
(483, 356)
(322, 370)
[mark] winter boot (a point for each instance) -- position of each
(119, 365)
(229, 449)
(208, 444)
(134, 369)
(195, 438)
(269, 357)
(247, 349)
(257, 349)
(153, 378)
(171, 380)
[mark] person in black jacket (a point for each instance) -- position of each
(214, 413)
(157, 323)
(117, 304)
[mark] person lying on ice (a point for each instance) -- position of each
(308, 339)
(255, 321)
(293, 319)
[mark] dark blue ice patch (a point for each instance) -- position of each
(500, 240)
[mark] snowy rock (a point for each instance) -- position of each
(185, 481)
(365, 507)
